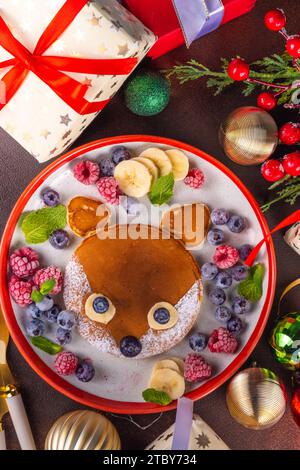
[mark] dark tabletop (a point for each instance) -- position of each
(192, 116)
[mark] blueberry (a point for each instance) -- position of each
(240, 305)
(45, 304)
(132, 206)
(224, 280)
(85, 371)
(235, 325)
(100, 305)
(223, 314)
(52, 313)
(236, 224)
(209, 271)
(161, 315)
(66, 319)
(59, 239)
(220, 216)
(239, 272)
(50, 197)
(107, 167)
(217, 296)
(35, 327)
(34, 311)
(198, 342)
(215, 236)
(63, 336)
(245, 251)
(130, 346)
(119, 154)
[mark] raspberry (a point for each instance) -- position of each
(222, 340)
(66, 363)
(196, 368)
(226, 256)
(52, 272)
(195, 178)
(109, 189)
(87, 172)
(20, 291)
(24, 262)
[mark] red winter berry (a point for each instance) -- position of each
(195, 178)
(293, 46)
(289, 133)
(272, 170)
(52, 272)
(24, 262)
(20, 291)
(238, 70)
(196, 368)
(266, 101)
(226, 256)
(109, 189)
(87, 172)
(66, 363)
(275, 19)
(221, 340)
(291, 163)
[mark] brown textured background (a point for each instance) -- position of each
(193, 116)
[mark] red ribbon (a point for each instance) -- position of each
(50, 68)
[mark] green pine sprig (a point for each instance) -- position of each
(288, 190)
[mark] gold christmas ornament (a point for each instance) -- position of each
(83, 430)
(249, 135)
(256, 398)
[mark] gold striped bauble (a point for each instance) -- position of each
(83, 430)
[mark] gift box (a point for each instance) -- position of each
(61, 61)
(178, 21)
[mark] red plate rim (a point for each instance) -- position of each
(48, 374)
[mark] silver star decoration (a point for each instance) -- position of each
(87, 81)
(94, 20)
(123, 49)
(65, 120)
(202, 441)
(45, 133)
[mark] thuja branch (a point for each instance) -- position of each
(289, 193)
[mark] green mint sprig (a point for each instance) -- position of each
(154, 396)
(162, 190)
(46, 345)
(46, 288)
(38, 225)
(251, 288)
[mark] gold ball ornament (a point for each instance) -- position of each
(256, 398)
(83, 430)
(249, 135)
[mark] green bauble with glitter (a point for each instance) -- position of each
(285, 341)
(147, 93)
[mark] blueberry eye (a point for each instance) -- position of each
(101, 305)
(161, 315)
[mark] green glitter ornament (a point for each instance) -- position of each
(147, 93)
(285, 341)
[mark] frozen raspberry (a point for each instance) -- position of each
(24, 262)
(222, 340)
(20, 291)
(226, 256)
(87, 172)
(196, 368)
(52, 272)
(195, 178)
(109, 189)
(66, 363)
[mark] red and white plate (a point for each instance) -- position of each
(118, 383)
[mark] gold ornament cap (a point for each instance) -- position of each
(83, 430)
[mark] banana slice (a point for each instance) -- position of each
(151, 167)
(179, 362)
(160, 158)
(133, 178)
(169, 381)
(162, 316)
(166, 364)
(180, 163)
(99, 308)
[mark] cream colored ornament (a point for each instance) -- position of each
(83, 430)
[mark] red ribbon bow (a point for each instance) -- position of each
(49, 68)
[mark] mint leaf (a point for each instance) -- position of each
(251, 288)
(154, 396)
(36, 296)
(38, 225)
(47, 286)
(46, 345)
(162, 189)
